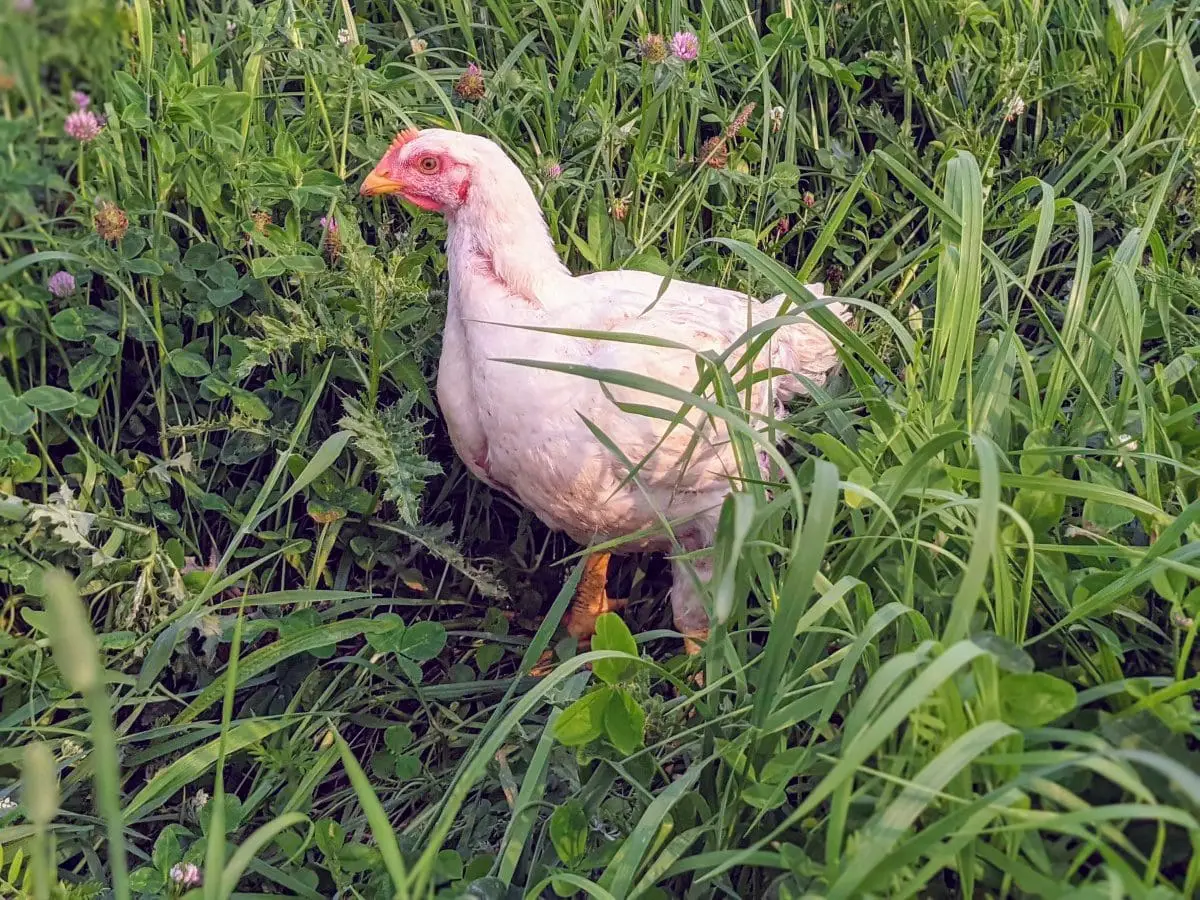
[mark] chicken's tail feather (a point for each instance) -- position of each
(807, 351)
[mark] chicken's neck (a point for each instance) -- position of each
(499, 239)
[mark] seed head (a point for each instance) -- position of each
(553, 170)
(61, 284)
(653, 49)
(83, 125)
(740, 120)
(186, 875)
(198, 801)
(418, 46)
(343, 36)
(809, 200)
(69, 748)
(713, 152)
(834, 276)
(470, 86)
(685, 46)
(619, 208)
(776, 117)
(261, 219)
(110, 221)
(332, 242)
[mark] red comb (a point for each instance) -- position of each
(403, 138)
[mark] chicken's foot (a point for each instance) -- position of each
(590, 602)
(591, 599)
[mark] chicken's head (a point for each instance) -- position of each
(431, 169)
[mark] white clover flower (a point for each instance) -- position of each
(69, 748)
(186, 875)
(199, 801)
(1127, 443)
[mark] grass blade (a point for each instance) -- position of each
(381, 827)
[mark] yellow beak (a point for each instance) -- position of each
(378, 183)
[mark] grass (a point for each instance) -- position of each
(954, 649)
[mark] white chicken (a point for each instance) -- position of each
(525, 430)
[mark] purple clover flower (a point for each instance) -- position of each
(83, 125)
(685, 46)
(80, 99)
(61, 284)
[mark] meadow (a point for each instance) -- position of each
(265, 636)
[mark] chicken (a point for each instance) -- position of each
(525, 430)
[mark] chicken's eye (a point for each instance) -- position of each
(428, 164)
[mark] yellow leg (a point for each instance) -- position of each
(590, 602)
(693, 643)
(591, 599)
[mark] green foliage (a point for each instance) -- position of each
(954, 639)
(392, 440)
(611, 710)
